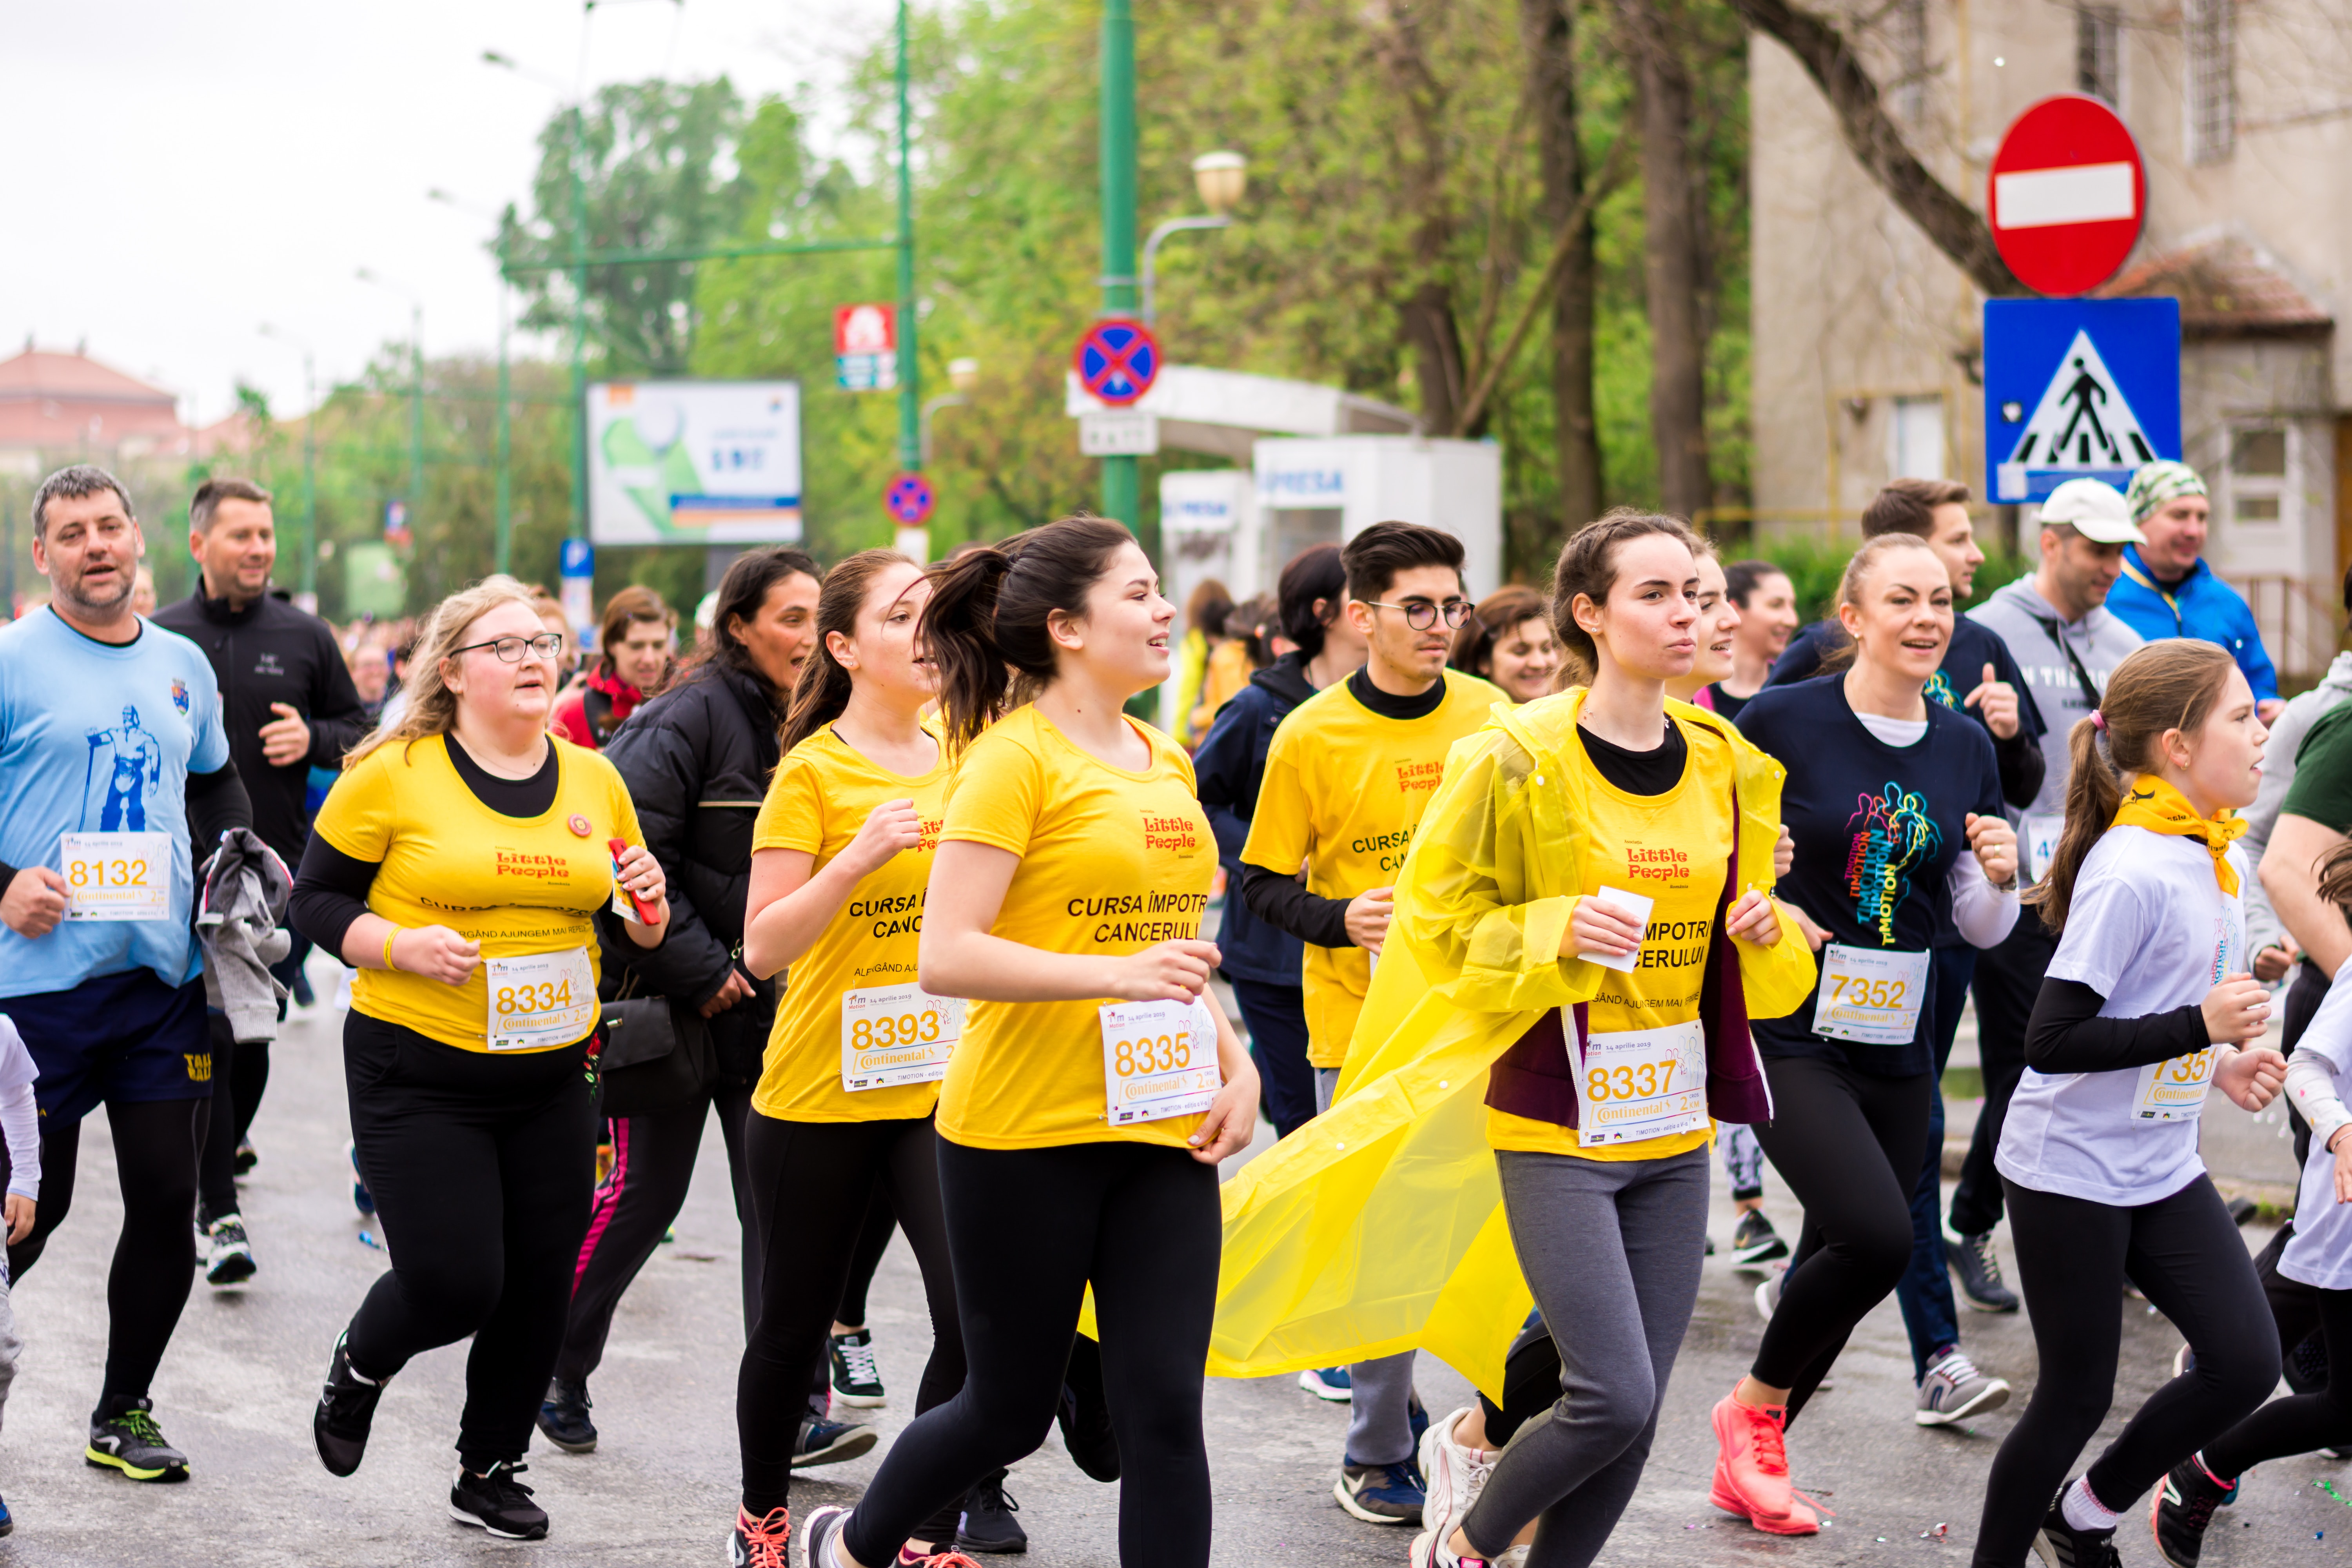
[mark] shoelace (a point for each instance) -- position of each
(994, 1491)
(1987, 1258)
(499, 1480)
(2199, 1508)
(765, 1538)
(1771, 1444)
(1957, 1369)
(858, 1359)
(140, 1425)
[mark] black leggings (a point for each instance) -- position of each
(240, 1074)
(872, 1243)
(1029, 1229)
(2302, 1422)
(480, 1166)
(811, 1184)
(1838, 1137)
(632, 1209)
(2185, 1255)
(155, 1257)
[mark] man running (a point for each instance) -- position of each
(289, 705)
(99, 968)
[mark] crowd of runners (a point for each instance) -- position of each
(1525, 906)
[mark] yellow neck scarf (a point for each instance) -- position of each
(2155, 804)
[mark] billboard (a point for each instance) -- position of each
(694, 462)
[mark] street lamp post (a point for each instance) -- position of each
(309, 549)
(1220, 177)
(1122, 477)
(415, 392)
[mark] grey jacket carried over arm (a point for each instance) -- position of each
(238, 922)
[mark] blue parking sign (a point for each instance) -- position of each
(2078, 389)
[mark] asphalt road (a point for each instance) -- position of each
(236, 1392)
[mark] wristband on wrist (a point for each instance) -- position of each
(388, 936)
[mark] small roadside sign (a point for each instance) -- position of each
(909, 501)
(1117, 360)
(2078, 389)
(865, 347)
(2068, 196)
(1118, 433)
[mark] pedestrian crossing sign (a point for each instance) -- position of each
(2078, 389)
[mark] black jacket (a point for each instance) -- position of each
(1230, 767)
(697, 761)
(271, 652)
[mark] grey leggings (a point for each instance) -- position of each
(1379, 1413)
(1611, 1250)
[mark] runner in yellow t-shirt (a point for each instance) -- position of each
(1083, 1114)
(1350, 773)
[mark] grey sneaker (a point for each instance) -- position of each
(1955, 1390)
(1768, 1294)
(1978, 1268)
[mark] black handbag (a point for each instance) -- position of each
(657, 1056)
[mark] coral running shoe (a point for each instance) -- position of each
(759, 1542)
(1752, 1470)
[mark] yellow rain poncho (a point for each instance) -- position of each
(1379, 1227)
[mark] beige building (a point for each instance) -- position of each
(1867, 339)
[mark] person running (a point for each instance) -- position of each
(1348, 775)
(1082, 1117)
(458, 866)
(115, 771)
(2147, 1007)
(1768, 613)
(1896, 814)
(1588, 898)
(635, 650)
(1262, 961)
(289, 705)
(1509, 640)
(841, 856)
(2168, 590)
(696, 761)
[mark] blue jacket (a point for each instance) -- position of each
(1230, 767)
(2199, 605)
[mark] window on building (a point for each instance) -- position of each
(2208, 30)
(2259, 493)
(2098, 53)
(1916, 439)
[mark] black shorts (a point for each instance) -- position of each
(127, 1038)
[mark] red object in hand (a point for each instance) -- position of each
(645, 910)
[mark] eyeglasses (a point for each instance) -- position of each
(1422, 614)
(547, 645)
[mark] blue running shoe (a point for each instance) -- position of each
(1380, 1494)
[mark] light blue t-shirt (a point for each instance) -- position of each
(96, 738)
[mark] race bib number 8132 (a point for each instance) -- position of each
(117, 876)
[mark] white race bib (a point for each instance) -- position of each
(1639, 1083)
(893, 1034)
(1160, 1059)
(2175, 1091)
(546, 999)
(117, 876)
(1870, 995)
(2037, 842)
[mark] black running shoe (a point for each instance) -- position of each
(2184, 1504)
(246, 1158)
(1084, 1415)
(228, 1253)
(129, 1441)
(346, 1412)
(1754, 1240)
(2306, 1365)
(830, 1442)
(1978, 1268)
(2060, 1545)
(988, 1523)
(856, 1381)
(563, 1416)
(498, 1504)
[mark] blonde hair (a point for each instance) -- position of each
(1857, 576)
(432, 708)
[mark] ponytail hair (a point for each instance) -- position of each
(2159, 688)
(823, 689)
(985, 626)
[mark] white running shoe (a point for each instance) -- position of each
(1955, 1390)
(1452, 1474)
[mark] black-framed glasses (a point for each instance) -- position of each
(1421, 615)
(549, 645)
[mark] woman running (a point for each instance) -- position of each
(1715, 634)
(1896, 808)
(458, 866)
(1768, 613)
(2147, 1006)
(1601, 856)
(1083, 1115)
(1509, 640)
(841, 853)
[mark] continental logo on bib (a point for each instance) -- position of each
(1142, 917)
(533, 867)
(1669, 866)
(1413, 777)
(1182, 834)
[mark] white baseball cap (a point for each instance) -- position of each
(2094, 509)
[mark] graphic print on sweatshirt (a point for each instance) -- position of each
(1893, 836)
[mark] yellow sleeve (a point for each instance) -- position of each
(995, 796)
(1468, 904)
(792, 815)
(357, 816)
(626, 828)
(1280, 833)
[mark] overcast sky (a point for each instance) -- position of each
(179, 172)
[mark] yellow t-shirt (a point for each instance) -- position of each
(516, 885)
(1344, 789)
(820, 797)
(1111, 862)
(1674, 848)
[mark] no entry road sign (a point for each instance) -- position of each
(909, 501)
(2069, 195)
(1117, 360)
(2078, 389)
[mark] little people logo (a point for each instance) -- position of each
(1666, 865)
(1415, 776)
(179, 696)
(1893, 834)
(1174, 833)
